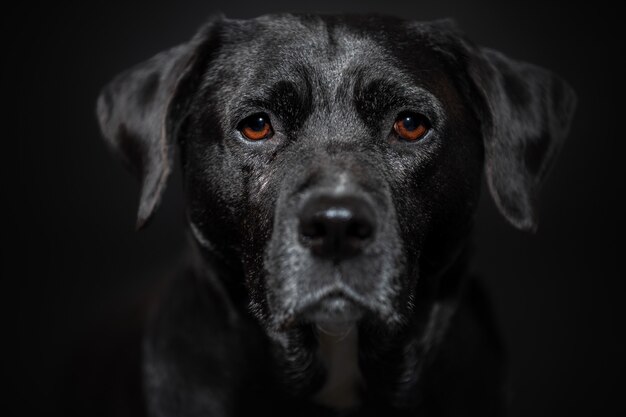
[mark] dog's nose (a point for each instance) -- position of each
(336, 227)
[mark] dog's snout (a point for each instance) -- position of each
(336, 227)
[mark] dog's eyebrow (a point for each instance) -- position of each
(285, 99)
(376, 98)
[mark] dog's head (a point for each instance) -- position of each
(336, 161)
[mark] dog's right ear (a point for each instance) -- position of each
(141, 110)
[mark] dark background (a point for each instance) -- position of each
(75, 275)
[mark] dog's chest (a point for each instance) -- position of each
(339, 353)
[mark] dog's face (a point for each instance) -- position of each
(336, 161)
(330, 156)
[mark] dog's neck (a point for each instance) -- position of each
(338, 351)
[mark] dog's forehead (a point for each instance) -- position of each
(282, 47)
(337, 49)
(332, 44)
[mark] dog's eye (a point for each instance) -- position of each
(256, 127)
(411, 126)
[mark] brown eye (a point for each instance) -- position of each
(411, 126)
(256, 127)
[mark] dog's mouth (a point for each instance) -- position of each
(333, 310)
(336, 306)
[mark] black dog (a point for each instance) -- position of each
(332, 167)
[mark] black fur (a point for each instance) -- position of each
(231, 336)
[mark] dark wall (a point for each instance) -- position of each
(75, 275)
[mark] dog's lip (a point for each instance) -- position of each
(334, 309)
(334, 304)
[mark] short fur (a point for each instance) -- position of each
(230, 337)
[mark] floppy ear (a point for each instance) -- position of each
(525, 114)
(141, 110)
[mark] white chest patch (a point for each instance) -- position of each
(339, 352)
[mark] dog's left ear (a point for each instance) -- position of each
(525, 115)
(141, 110)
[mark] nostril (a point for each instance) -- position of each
(359, 229)
(313, 228)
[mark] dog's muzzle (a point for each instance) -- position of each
(335, 228)
(335, 254)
